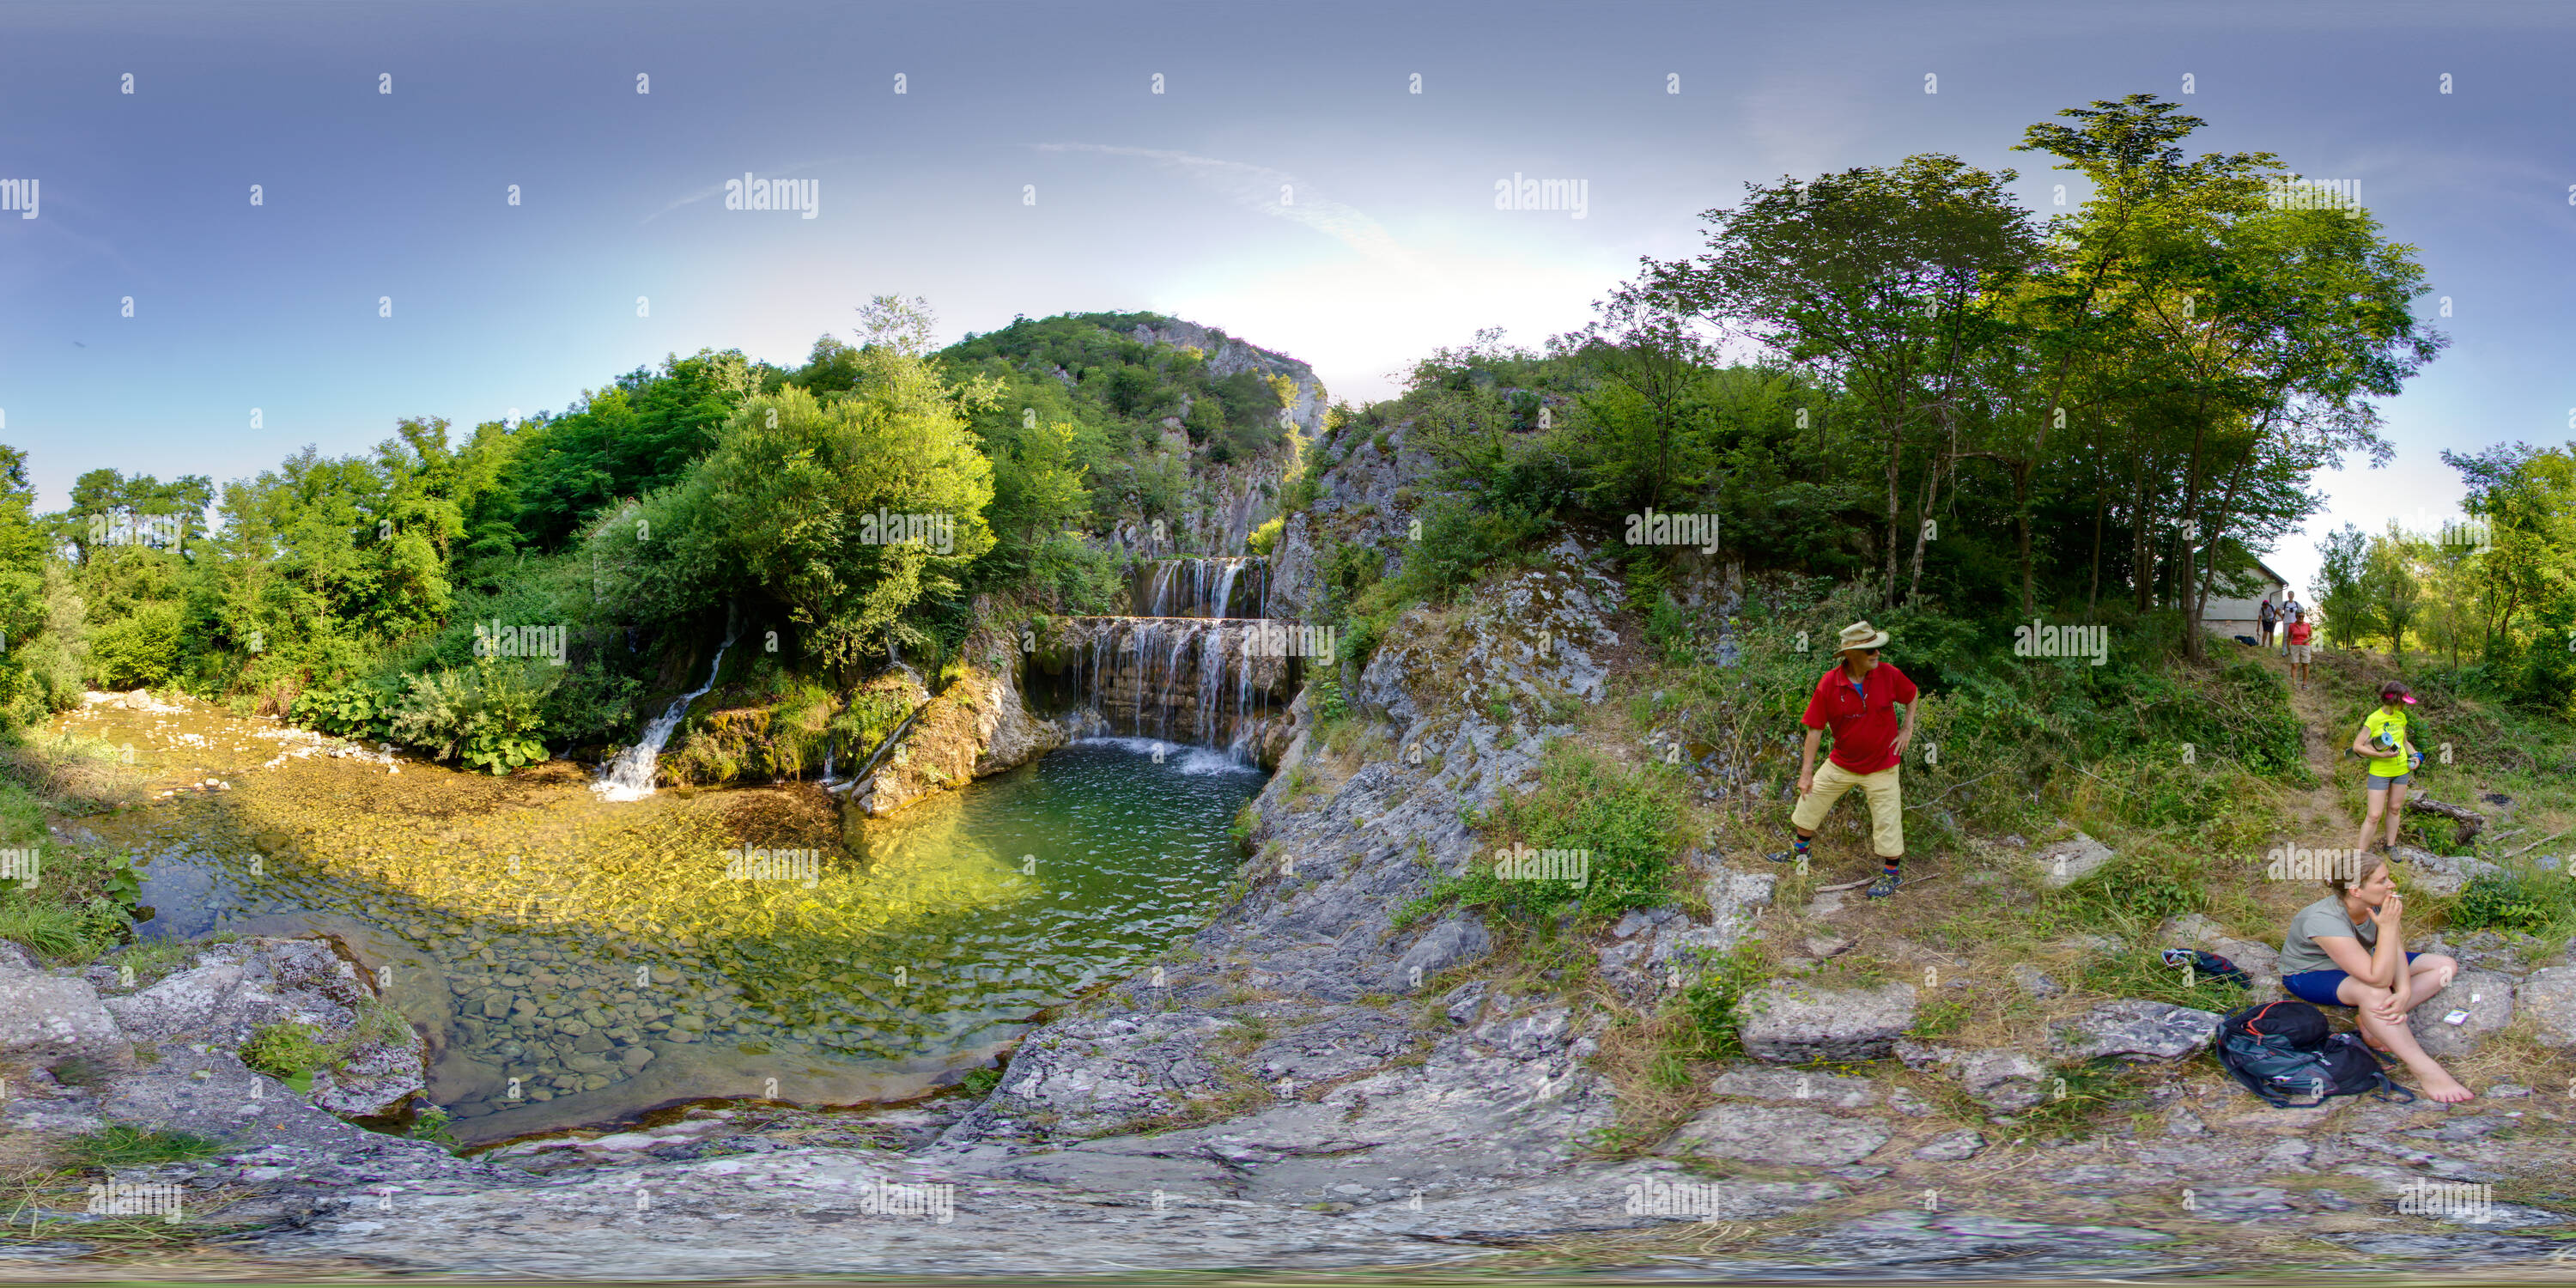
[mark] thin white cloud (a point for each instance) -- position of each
(712, 189)
(1261, 188)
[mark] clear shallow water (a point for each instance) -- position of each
(615, 956)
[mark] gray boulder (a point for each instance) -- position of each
(2034, 981)
(2006, 1080)
(1454, 941)
(44, 1016)
(2439, 873)
(2260, 962)
(1951, 1147)
(1762, 1134)
(1822, 1089)
(1789, 1023)
(2063, 863)
(2137, 1030)
(2550, 997)
(2485, 995)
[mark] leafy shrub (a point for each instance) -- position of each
(1461, 543)
(139, 649)
(1265, 538)
(290, 1052)
(1626, 821)
(354, 710)
(436, 1126)
(2526, 901)
(490, 716)
(1709, 1002)
(2136, 888)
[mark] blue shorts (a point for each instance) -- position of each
(2319, 986)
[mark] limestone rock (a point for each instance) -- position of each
(974, 728)
(1952, 1147)
(1919, 1056)
(373, 1082)
(1460, 1004)
(1789, 1023)
(1455, 940)
(2063, 863)
(1772, 1135)
(1097, 1073)
(2437, 873)
(2006, 1080)
(2550, 996)
(2485, 995)
(2138, 1030)
(1820, 1089)
(2260, 962)
(2034, 981)
(44, 1016)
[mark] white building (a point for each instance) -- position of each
(2229, 618)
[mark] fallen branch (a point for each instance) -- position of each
(2469, 820)
(2543, 841)
(1855, 885)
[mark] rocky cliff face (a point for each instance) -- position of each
(977, 727)
(1227, 355)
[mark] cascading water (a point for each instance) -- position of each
(1198, 587)
(1182, 668)
(630, 776)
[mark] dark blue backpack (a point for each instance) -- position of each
(2280, 1050)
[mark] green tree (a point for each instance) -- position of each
(1877, 277)
(786, 508)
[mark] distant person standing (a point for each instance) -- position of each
(2267, 617)
(2289, 609)
(1858, 701)
(2392, 758)
(2297, 646)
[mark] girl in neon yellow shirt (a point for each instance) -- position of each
(2392, 758)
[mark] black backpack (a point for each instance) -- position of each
(2283, 1049)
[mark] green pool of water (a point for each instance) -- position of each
(621, 956)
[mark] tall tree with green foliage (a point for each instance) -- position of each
(1877, 277)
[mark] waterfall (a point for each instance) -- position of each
(1184, 658)
(1198, 587)
(1225, 590)
(630, 776)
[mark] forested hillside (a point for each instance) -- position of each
(348, 591)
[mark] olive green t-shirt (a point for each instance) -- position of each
(2325, 917)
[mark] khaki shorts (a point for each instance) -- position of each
(1886, 805)
(2299, 653)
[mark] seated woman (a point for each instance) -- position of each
(2348, 949)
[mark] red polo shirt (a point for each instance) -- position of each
(1864, 719)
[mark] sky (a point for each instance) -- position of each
(1316, 178)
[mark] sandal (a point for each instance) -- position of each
(1885, 885)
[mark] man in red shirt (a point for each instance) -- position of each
(1857, 700)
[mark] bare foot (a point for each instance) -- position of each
(2448, 1090)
